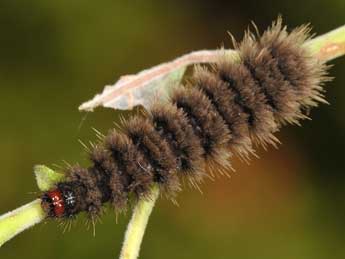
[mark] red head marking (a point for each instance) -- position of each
(58, 202)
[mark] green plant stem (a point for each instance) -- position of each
(20, 219)
(329, 45)
(137, 225)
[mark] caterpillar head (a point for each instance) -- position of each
(59, 203)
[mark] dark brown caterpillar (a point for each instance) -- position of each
(223, 111)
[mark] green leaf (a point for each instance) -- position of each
(47, 178)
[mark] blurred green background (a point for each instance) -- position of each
(56, 54)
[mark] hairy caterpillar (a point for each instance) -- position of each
(224, 110)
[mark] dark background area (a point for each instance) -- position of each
(55, 55)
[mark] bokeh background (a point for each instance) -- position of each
(56, 54)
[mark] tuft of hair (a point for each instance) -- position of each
(172, 124)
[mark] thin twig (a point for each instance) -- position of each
(329, 45)
(20, 219)
(137, 225)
